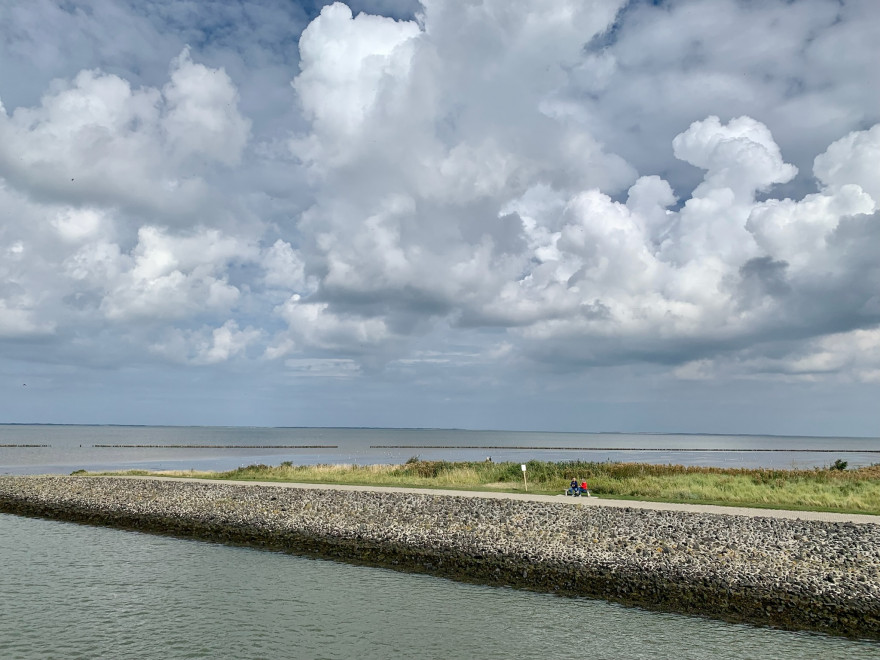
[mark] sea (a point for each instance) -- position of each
(76, 591)
(61, 449)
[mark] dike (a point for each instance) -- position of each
(791, 574)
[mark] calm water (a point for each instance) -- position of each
(70, 591)
(74, 447)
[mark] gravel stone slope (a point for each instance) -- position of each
(793, 574)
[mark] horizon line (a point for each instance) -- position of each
(440, 428)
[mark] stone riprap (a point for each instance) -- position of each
(788, 573)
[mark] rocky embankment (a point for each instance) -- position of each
(788, 573)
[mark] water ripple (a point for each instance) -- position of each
(81, 592)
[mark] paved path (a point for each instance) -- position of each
(562, 499)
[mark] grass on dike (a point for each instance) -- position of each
(818, 489)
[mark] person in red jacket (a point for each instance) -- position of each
(585, 488)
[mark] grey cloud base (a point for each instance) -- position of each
(792, 574)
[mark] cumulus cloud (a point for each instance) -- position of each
(168, 277)
(410, 162)
(472, 224)
(740, 156)
(205, 347)
(315, 326)
(843, 357)
(728, 270)
(201, 116)
(17, 319)
(456, 185)
(852, 160)
(284, 267)
(666, 64)
(98, 139)
(91, 182)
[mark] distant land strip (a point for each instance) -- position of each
(25, 445)
(218, 446)
(827, 451)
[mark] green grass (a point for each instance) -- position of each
(821, 489)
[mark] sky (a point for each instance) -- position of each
(562, 215)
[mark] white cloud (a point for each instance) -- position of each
(474, 223)
(842, 357)
(799, 231)
(740, 156)
(98, 139)
(514, 187)
(17, 320)
(345, 62)
(805, 72)
(96, 265)
(314, 325)
(75, 225)
(201, 116)
(695, 370)
(171, 277)
(284, 267)
(206, 347)
(850, 160)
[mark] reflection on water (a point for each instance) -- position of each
(77, 591)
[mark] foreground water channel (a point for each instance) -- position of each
(76, 591)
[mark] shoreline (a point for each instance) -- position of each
(784, 572)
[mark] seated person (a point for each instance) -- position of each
(573, 488)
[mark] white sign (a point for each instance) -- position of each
(524, 467)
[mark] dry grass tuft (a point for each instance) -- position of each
(822, 489)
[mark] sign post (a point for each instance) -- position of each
(526, 483)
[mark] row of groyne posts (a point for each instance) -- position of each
(789, 573)
(129, 446)
(495, 447)
(696, 450)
